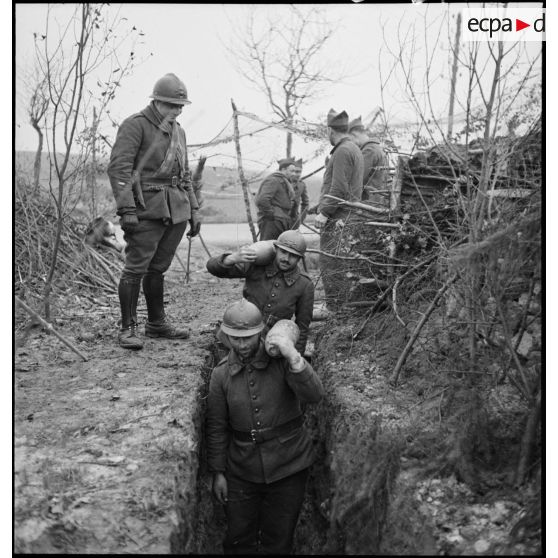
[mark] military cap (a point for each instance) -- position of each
(286, 162)
(337, 119)
(298, 163)
(356, 125)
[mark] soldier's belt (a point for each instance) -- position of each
(264, 434)
(154, 184)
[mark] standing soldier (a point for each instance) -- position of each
(279, 289)
(301, 203)
(275, 200)
(258, 449)
(150, 179)
(376, 163)
(342, 179)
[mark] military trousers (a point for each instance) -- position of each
(262, 517)
(151, 247)
(271, 229)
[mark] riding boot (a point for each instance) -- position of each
(157, 324)
(128, 292)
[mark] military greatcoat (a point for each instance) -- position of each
(139, 150)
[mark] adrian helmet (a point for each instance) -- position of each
(170, 89)
(292, 241)
(242, 319)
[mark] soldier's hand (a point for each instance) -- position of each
(129, 222)
(195, 225)
(220, 488)
(246, 254)
(279, 342)
(312, 210)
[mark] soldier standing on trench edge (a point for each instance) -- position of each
(155, 200)
(343, 178)
(257, 447)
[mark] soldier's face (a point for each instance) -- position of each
(245, 347)
(289, 172)
(286, 260)
(169, 111)
(297, 171)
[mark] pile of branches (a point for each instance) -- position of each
(78, 265)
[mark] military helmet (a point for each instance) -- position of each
(291, 241)
(242, 319)
(170, 89)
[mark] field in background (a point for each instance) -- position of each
(223, 199)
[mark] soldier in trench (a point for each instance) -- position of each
(258, 449)
(279, 288)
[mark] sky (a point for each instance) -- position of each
(188, 39)
(192, 41)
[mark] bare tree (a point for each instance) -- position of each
(495, 86)
(34, 97)
(72, 55)
(281, 57)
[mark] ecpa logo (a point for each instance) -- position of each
(503, 24)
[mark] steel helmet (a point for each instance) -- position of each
(170, 89)
(242, 319)
(292, 241)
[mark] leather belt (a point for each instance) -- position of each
(172, 181)
(265, 434)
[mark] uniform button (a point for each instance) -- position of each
(269, 305)
(272, 294)
(258, 423)
(256, 410)
(254, 396)
(252, 383)
(276, 284)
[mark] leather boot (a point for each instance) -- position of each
(128, 292)
(157, 324)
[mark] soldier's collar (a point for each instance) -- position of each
(289, 276)
(345, 138)
(260, 360)
(153, 115)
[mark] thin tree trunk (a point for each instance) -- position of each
(403, 357)
(243, 181)
(529, 439)
(93, 167)
(38, 157)
(289, 144)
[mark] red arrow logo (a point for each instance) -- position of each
(519, 25)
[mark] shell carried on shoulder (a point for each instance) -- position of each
(284, 328)
(265, 251)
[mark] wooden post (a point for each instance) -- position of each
(454, 75)
(243, 181)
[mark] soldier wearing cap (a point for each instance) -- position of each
(301, 201)
(155, 200)
(376, 163)
(278, 288)
(275, 200)
(258, 449)
(342, 179)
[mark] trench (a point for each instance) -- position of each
(347, 495)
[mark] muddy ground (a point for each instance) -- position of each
(108, 453)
